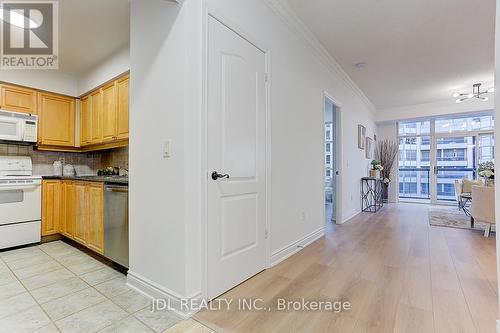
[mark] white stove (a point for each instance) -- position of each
(20, 202)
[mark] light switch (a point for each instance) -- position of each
(166, 149)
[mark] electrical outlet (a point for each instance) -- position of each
(303, 216)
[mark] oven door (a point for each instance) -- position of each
(11, 129)
(20, 203)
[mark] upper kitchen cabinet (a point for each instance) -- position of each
(56, 120)
(85, 121)
(96, 117)
(105, 116)
(123, 100)
(17, 99)
(109, 112)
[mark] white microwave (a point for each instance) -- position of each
(19, 127)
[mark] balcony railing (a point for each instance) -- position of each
(414, 183)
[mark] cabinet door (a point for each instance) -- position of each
(96, 116)
(95, 239)
(85, 121)
(109, 112)
(68, 208)
(17, 99)
(51, 207)
(81, 212)
(56, 120)
(123, 103)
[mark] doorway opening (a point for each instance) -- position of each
(331, 160)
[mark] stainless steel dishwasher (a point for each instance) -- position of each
(116, 223)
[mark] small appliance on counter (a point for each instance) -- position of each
(58, 168)
(20, 202)
(69, 170)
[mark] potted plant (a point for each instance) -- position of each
(376, 169)
(386, 152)
(486, 170)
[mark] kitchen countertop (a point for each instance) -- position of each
(122, 180)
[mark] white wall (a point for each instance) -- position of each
(114, 65)
(166, 103)
(44, 79)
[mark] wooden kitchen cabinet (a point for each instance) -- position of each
(68, 208)
(95, 235)
(109, 112)
(80, 212)
(123, 106)
(51, 207)
(77, 207)
(17, 99)
(56, 116)
(85, 121)
(96, 117)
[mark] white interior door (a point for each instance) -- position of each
(236, 133)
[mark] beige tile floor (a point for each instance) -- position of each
(55, 287)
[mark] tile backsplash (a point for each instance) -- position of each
(84, 163)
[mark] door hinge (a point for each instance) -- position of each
(266, 234)
(266, 77)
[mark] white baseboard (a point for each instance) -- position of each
(296, 246)
(155, 291)
(498, 326)
(351, 216)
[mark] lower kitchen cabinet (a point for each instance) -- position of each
(51, 207)
(77, 208)
(95, 226)
(80, 213)
(68, 208)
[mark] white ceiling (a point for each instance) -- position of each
(417, 51)
(90, 31)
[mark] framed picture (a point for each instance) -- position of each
(369, 148)
(361, 136)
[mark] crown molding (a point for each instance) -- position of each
(284, 11)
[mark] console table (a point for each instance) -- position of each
(371, 194)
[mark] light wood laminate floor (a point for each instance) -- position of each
(399, 274)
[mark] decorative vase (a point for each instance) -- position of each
(385, 193)
(374, 173)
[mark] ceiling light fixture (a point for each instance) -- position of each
(476, 93)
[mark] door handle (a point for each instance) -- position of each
(216, 175)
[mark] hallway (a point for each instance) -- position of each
(398, 273)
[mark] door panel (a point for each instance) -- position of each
(123, 102)
(56, 120)
(18, 99)
(236, 146)
(109, 112)
(85, 121)
(96, 116)
(95, 236)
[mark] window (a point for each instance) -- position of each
(328, 135)
(464, 124)
(328, 147)
(328, 159)
(457, 143)
(424, 188)
(414, 127)
(328, 172)
(425, 156)
(486, 148)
